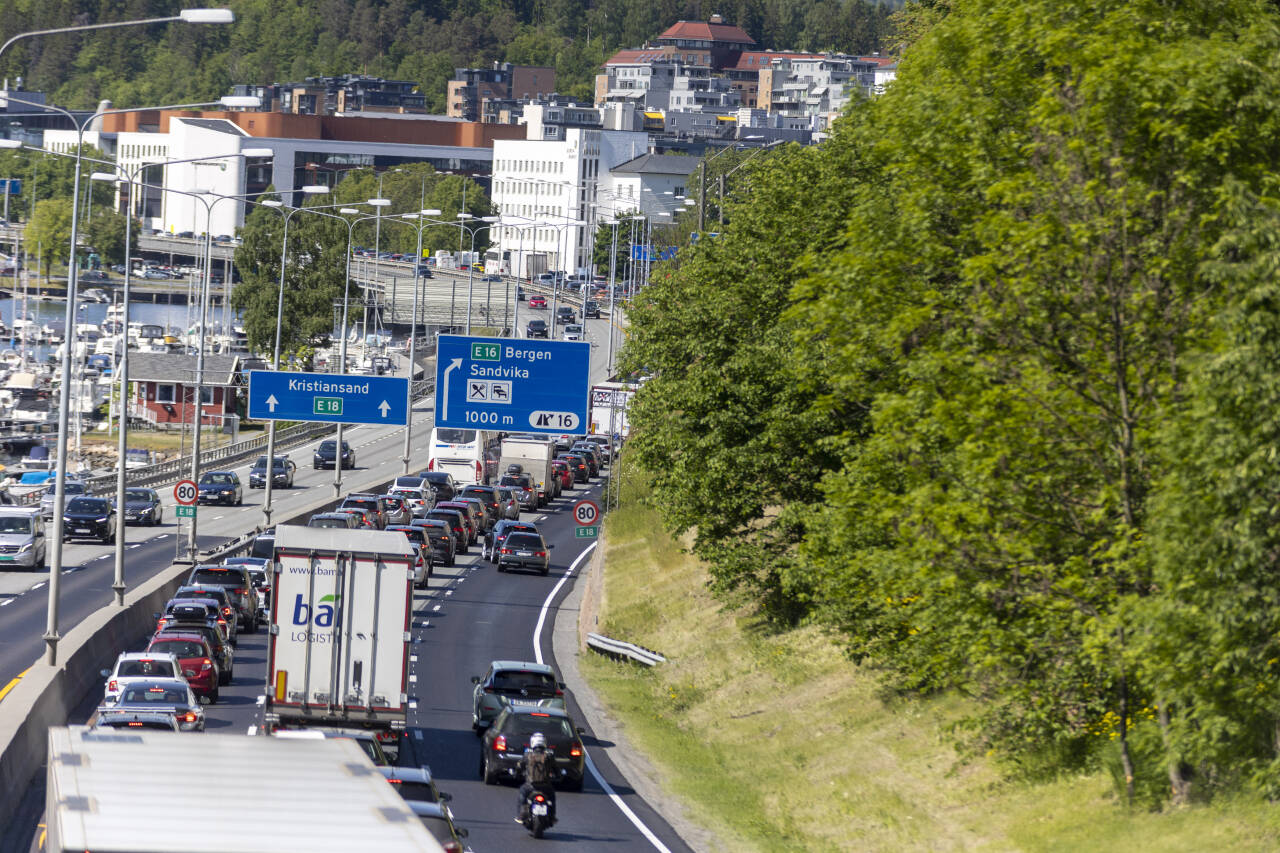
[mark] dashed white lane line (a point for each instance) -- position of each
(37, 586)
(434, 609)
(7, 602)
(131, 547)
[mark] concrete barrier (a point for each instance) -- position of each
(46, 695)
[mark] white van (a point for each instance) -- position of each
(22, 539)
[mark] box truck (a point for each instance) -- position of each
(609, 404)
(338, 654)
(149, 792)
(534, 455)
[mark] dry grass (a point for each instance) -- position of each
(776, 742)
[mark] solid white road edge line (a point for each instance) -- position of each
(595, 774)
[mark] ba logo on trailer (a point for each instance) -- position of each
(323, 615)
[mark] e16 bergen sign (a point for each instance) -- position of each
(517, 385)
(327, 397)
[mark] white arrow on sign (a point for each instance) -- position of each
(384, 408)
(272, 402)
(444, 404)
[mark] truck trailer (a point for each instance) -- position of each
(116, 791)
(534, 455)
(338, 654)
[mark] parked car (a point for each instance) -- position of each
(508, 737)
(222, 487)
(142, 506)
(510, 682)
(325, 453)
(89, 517)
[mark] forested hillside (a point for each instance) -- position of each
(987, 385)
(284, 40)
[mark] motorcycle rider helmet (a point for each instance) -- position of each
(538, 741)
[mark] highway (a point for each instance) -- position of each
(469, 616)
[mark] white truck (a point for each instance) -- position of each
(115, 790)
(609, 404)
(338, 653)
(534, 454)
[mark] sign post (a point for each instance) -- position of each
(518, 385)
(326, 397)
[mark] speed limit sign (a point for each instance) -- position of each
(586, 513)
(185, 492)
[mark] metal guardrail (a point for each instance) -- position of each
(620, 649)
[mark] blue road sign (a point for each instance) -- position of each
(518, 385)
(328, 397)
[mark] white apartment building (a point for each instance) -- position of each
(546, 190)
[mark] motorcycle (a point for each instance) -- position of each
(539, 812)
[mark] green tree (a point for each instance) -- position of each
(315, 273)
(48, 234)
(106, 233)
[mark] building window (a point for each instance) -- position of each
(206, 395)
(165, 393)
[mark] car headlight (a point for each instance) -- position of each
(25, 548)
(101, 520)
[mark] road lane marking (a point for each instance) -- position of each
(595, 774)
(37, 586)
(434, 609)
(4, 691)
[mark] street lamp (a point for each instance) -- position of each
(189, 16)
(278, 206)
(122, 367)
(471, 266)
(51, 635)
(413, 331)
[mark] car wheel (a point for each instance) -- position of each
(159, 518)
(239, 500)
(452, 560)
(545, 570)
(487, 771)
(213, 697)
(574, 784)
(224, 677)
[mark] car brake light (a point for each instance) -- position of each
(113, 685)
(500, 743)
(226, 611)
(188, 717)
(575, 752)
(239, 591)
(540, 553)
(506, 550)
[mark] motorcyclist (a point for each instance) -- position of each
(539, 767)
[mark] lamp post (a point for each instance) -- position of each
(279, 207)
(122, 368)
(471, 267)
(413, 334)
(51, 636)
(555, 284)
(342, 346)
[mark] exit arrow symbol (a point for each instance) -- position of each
(384, 408)
(272, 402)
(444, 404)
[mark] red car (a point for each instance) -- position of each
(563, 472)
(195, 658)
(538, 301)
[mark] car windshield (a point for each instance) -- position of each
(328, 522)
(137, 495)
(215, 576)
(414, 533)
(15, 524)
(87, 505)
(327, 446)
(138, 668)
(518, 539)
(512, 481)
(456, 436)
(69, 487)
(144, 694)
(216, 479)
(420, 791)
(512, 679)
(179, 648)
(523, 725)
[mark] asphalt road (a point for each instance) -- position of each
(469, 616)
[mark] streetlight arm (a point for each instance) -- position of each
(192, 16)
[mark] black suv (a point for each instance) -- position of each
(591, 309)
(564, 314)
(281, 474)
(536, 329)
(325, 452)
(239, 587)
(442, 481)
(92, 517)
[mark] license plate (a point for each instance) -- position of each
(6, 559)
(539, 809)
(524, 553)
(83, 530)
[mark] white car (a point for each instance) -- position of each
(139, 666)
(573, 332)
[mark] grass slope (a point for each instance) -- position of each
(777, 743)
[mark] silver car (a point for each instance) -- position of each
(71, 488)
(22, 539)
(398, 511)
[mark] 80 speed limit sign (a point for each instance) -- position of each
(185, 492)
(586, 513)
